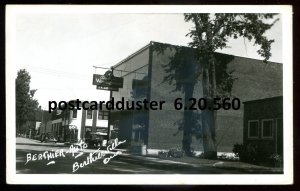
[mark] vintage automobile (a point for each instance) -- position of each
(46, 137)
(96, 140)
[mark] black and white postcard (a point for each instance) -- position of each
(98, 94)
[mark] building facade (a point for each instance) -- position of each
(144, 74)
(74, 125)
(263, 124)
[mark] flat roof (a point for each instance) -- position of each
(264, 99)
(152, 42)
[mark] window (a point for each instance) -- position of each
(88, 131)
(267, 128)
(140, 87)
(74, 113)
(89, 114)
(253, 129)
(103, 115)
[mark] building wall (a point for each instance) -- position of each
(63, 121)
(255, 80)
(46, 127)
(265, 109)
(132, 68)
(82, 122)
(163, 124)
(135, 67)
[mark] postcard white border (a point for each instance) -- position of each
(276, 179)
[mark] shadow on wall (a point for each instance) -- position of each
(184, 69)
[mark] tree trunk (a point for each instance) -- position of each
(187, 121)
(208, 141)
(213, 92)
(208, 115)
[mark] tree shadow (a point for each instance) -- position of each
(185, 70)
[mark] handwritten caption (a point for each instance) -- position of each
(77, 150)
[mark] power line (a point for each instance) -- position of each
(120, 70)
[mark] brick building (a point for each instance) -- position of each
(144, 77)
(263, 124)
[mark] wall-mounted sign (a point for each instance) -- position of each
(107, 80)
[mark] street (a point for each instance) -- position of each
(120, 164)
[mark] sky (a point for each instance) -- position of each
(59, 50)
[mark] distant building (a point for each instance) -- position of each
(144, 73)
(45, 125)
(74, 125)
(263, 124)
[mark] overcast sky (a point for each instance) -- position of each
(59, 50)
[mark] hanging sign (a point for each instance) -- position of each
(107, 88)
(107, 80)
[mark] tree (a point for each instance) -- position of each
(184, 70)
(211, 32)
(26, 105)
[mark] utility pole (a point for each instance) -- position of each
(109, 111)
(110, 83)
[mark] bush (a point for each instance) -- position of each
(249, 153)
(254, 154)
(243, 153)
(277, 160)
(174, 153)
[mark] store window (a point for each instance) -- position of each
(267, 128)
(253, 129)
(89, 114)
(103, 115)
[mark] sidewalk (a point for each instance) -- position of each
(27, 141)
(228, 165)
(242, 168)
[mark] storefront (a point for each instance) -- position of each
(75, 125)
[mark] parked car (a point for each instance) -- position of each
(37, 137)
(52, 139)
(48, 138)
(96, 140)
